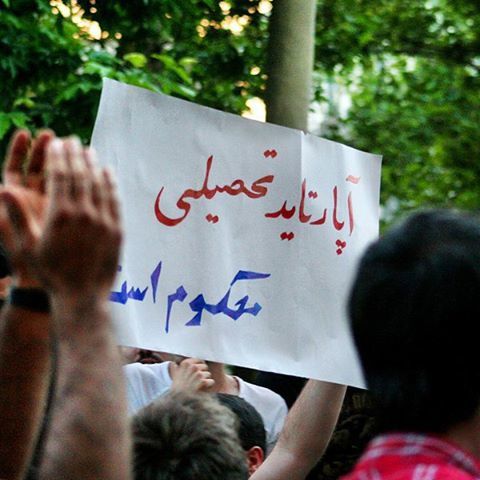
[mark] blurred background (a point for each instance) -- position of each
(396, 77)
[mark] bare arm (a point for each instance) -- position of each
(89, 418)
(24, 367)
(77, 257)
(24, 333)
(306, 434)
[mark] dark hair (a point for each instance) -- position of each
(187, 436)
(251, 429)
(415, 313)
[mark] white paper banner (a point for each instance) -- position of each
(241, 237)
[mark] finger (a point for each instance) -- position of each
(16, 156)
(193, 360)
(75, 166)
(90, 159)
(7, 234)
(39, 152)
(113, 202)
(188, 361)
(57, 184)
(202, 367)
(82, 180)
(98, 190)
(173, 369)
(18, 217)
(35, 175)
(207, 384)
(55, 155)
(93, 175)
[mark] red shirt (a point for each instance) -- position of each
(407, 456)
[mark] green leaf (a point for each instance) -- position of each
(19, 119)
(183, 91)
(24, 102)
(138, 60)
(171, 64)
(94, 68)
(5, 124)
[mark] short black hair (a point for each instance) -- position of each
(415, 315)
(251, 430)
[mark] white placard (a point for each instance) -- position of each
(241, 237)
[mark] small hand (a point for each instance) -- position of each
(191, 375)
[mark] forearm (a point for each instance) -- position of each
(306, 434)
(24, 380)
(90, 415)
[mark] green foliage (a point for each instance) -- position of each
(218, 62)
(53, 71)
(410, 68)
(425, 123)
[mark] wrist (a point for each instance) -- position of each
(71, 295)
(91, 300)
(81, 308)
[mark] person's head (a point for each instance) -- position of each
(251, 429)
(187, 436)
(415, 314)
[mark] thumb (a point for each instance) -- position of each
(18, 218)
(7, 235)
(173, 369)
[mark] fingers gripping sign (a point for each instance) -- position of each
(79, 249)
(192, 375)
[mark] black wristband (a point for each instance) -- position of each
(34, 299)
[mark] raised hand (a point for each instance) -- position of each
(82, 225)
(24, 185)
(25, 343)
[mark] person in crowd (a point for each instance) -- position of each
(83, 222)
(251, 430)
(415, 315)
(187, 436)
(49, 229)
(146, 382)
(24, 319)
(306, 434)
(192, 375)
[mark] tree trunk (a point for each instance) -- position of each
(290, 62)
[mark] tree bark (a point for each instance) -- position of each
(290, 62)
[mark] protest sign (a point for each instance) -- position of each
(241, 237)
